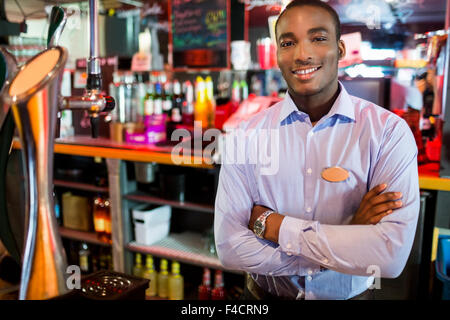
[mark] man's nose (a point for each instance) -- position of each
(303, 54)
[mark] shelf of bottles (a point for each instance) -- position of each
(168, 283)
(187, 247)
(151, 106)
(84, 218)
(90, 257)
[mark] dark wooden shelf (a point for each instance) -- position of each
(80, 186)
(143, 197)
(90, 237)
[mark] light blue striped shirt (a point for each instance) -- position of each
(374, 145)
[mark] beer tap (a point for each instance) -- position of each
(57, 22)
(93, 101)
(34, 97)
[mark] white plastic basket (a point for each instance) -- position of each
(151, 223)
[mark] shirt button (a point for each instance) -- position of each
(270, 273)
(308, 209)
(325, 261)
(309, 171)
(309, 278)
(311, 133)
(288, 246)
(309, 271)
(289, 253)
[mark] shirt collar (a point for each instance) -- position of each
(342, 106)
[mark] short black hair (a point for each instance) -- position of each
(314, 3)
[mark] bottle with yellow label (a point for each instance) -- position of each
(163, 279)
(210, 101)
(201, 103)
(176, 283)
(138, 269)
(150, 274)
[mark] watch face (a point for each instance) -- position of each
(258, 228)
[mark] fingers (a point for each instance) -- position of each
(375, 191)
(385, 206)
(385, 197)
(376, 219)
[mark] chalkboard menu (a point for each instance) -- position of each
(200, 33)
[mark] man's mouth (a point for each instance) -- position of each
(305, 73)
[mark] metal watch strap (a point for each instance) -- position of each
(259, 232)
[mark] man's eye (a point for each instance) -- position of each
(319, 39)
(285, 44)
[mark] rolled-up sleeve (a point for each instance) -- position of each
(353, 249)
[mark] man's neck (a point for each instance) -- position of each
(314, 106)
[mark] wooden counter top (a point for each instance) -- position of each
(105, 148)
(86, 146)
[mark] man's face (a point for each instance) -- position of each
(308, 52)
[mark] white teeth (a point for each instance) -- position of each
(306, 71)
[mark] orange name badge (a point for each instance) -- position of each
(335, 174)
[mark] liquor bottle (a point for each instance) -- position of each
(107, 218)
(138, 269)
(256, 86)
(244, 89)
(204, 290)
(218, 293)
(140, 93)
(188, 105)
(100, 172)
(176, 283)
(167, 99)
(163, 279)
(211, 101)
(84, 258)
(149, 100)
(235, 96)
(158, 99)
(152, 275)
(177, 106)
(99, 217)
(201, 104)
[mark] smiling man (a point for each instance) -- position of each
(345, 200)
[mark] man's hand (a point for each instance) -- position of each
(376, 205)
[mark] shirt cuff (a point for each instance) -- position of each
(290, 239)
(289, 236)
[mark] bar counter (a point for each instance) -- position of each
(101, 147)
(106, 148)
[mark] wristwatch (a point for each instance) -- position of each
(260, 224)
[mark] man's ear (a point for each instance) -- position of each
(341, 48)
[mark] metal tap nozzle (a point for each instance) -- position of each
(93, 102)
